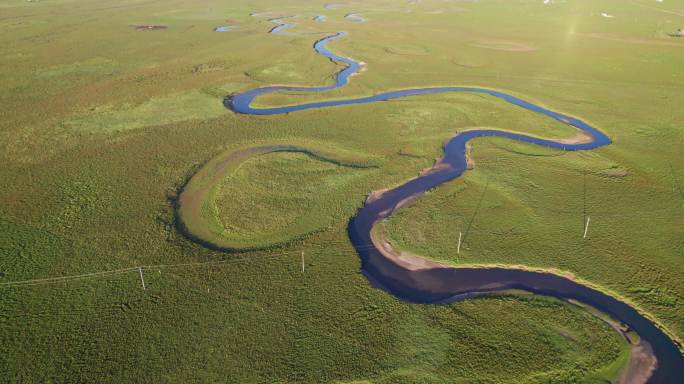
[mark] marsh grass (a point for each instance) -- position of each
(102, 126)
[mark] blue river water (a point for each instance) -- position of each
(448, 284)
(281, 25)
(225, 28)
(355, 18)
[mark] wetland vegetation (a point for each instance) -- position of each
(97, 145)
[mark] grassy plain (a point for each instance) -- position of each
(101, 126)
(290, 199)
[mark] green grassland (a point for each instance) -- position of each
(241, 200)
(278, 183)
(102, 127)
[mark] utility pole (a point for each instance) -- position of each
(584, 196)
(586, 227)
(142, 279)
(458, 249)
(302, 261)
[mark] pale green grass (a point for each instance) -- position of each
(156, 111)
(94, 66)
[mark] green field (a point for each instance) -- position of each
(102, 127)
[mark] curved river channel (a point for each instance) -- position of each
(435, 283)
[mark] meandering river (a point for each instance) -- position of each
(420, 281)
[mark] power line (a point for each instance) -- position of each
(141, 268)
